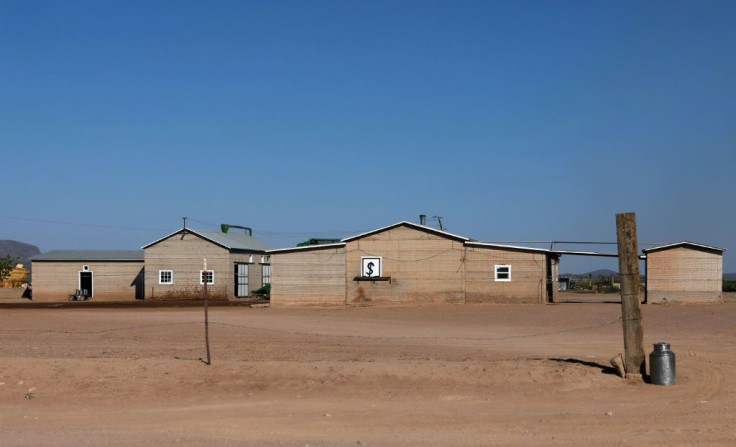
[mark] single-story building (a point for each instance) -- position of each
(408, 263)
(102, 275)
(171, 267)
(684, 272)
(232, 264)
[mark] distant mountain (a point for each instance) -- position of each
(729, 276)
(593, 274)
(19, 250)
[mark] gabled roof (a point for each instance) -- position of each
(307, 248)
(685, 244)
(411, 225)
(90, 255)
(228, 241)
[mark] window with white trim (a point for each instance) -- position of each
(241, 279)
(209, 274)
(166, 277)
(266, 274)
(502, 272)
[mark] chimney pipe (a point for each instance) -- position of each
(423, 219)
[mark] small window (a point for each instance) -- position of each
(209, 274)
(166, 277)
(266, 273)
(503, 273)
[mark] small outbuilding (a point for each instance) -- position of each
(102, 275)
(232, 264)
(684, 272)
(408, 263)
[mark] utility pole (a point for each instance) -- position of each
(206, 316)
(628, 264)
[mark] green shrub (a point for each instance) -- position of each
(265, 291)
(729, 286)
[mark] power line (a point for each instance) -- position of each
(265, 234)
(81, 224)
(568, 242)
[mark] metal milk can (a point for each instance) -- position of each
(662, 365)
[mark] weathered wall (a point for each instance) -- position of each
(185, 255)
(111, 281)
(423, 267)
(683, 275)
(528, 276)
(313, 276)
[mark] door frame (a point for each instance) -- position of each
(91, 281)
(236, 278)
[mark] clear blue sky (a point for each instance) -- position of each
(514, 120)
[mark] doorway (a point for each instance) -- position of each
(241, 280)
(85, 283)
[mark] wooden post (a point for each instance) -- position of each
(628, 263)
(206, 319)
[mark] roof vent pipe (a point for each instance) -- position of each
(423, 219)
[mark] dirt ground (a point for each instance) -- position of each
(445, 375)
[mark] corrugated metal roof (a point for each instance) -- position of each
(412, 225)
(585, 253)
(90, 255)
(506, 247)
(230, 241)
(684, 244)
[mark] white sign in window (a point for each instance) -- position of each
(370, 267)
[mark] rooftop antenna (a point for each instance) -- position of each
(439, 220)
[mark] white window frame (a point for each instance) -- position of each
(364, 260)
(242, 289)
(265, 268)
(209, 283)
(507, 273)
(160, 277)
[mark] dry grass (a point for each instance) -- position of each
(192, 293)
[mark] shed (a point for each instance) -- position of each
(102, 275)
(684, 272)
(236, 265)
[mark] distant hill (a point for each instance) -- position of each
(19, 250)
(593, 274)
(729, 276)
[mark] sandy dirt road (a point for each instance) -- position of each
(464, 375)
